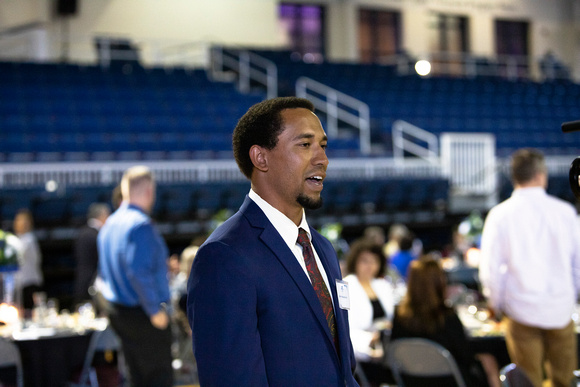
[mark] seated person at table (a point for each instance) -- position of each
(371, 301)
(402, 258)
(424, 313)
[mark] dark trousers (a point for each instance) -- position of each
(147, 349)
(27, 296)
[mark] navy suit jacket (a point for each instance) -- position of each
(255, 317)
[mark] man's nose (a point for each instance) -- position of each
(320, 157)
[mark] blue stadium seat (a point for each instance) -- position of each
(71, 108)
(50, 210)
(234, 195)
(338, 197)
(208, 199)
(176, 202)
(13, 200)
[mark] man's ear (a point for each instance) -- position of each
(258, 157)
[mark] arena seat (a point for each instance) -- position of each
(450, 104)
(72, 108)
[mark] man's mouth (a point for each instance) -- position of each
(316, 179)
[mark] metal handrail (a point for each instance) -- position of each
(87, 174)
(106, 53)
(465, 64)
(35, 175)
(405, 138)
(470, 162)
(338, 106)
(249, 66)
(195, 54)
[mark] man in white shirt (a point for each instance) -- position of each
(530, 272)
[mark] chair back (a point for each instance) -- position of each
(105, 340)
(421, 358)
(10, 357)
(513, 376)
(362, 379)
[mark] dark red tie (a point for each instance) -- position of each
(318, 283)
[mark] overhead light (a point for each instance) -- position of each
(423, 67)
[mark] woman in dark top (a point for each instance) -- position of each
(423, 313)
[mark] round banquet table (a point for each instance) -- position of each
(52, 360)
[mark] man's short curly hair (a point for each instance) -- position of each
(261, 125)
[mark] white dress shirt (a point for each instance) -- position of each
(289, 232)
(530, 263)
(360, 315)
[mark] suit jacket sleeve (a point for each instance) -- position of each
(222, 303)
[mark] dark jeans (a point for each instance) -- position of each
(147, 349)
(27, 299)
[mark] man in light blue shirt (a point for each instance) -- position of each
(133, 270)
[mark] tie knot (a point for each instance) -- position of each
(303, 238)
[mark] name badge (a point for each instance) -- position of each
(343, 297)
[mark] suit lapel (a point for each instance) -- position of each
(275, 242)
(271, 238)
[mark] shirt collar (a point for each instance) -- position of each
(133, 206)
(94, 223)
(285, 227)
(529, 191)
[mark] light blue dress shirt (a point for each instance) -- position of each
(133, 260)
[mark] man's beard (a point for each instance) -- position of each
(309, 203)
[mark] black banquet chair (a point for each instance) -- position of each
(422, 359)
(513, 376)
(10, 357)
(105, 340)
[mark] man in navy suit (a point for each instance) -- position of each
(257, 319)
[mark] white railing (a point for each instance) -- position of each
(33, 42)
(23, 175)
(13, 175)
(468, 159)
(247, 67)
(153, 53)
(107, 50)
(188, 55)
(469, 65)
(25, 43)
(338, 107)
(408, 138)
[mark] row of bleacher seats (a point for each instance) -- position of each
(50, 110)
(385, 195)
(187, 202)
(520, 113)
(557, 185)
(164, 108)
(175, 202)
